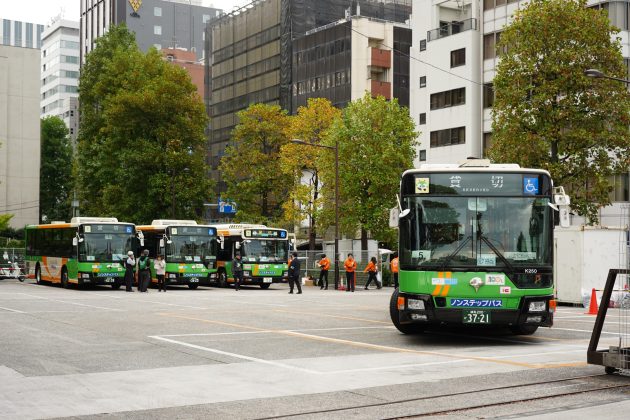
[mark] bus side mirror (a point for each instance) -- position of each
(141, 242)
(237, 245)
(75, 241)
(162, 243)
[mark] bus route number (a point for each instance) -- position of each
(531, 271)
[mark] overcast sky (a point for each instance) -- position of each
(42, 11)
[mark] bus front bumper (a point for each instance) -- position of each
(264, 280)
(94, 279)
(432, 314)
(183, 279)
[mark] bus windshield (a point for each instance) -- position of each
(191, 248)
(106, 247)
(261, 250)
(482, 232)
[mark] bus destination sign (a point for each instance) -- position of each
(462, 183)
(193, 230)
(107, 228)
(265, 233)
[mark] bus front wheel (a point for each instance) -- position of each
(38, 275)
(393, 313)
(64, 278)
(192, 286)
(222, 279)
(523, 329)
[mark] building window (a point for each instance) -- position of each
(158, 46)
(157, 30)
(423, 118)
(620, 188)
(488, 95)
(448, 98)
(422, 156)
(448, 137)
(205, 18)
(458, 57)
(490, 43)
(157, 11)
(423, 81)
(487, 142)
(423, 45)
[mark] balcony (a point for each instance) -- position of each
(452, 29)
(381, 58)
(381, 88)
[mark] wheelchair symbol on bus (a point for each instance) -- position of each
(530, 186)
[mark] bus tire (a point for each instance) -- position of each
(393, 313)
(265, 286)
(523, 329)
(116, 286)
(38, 274)
(64, 278)
(610, 370)
(222, 279)
(192, 286)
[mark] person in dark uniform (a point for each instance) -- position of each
(144, 271)
(130, 266)
(237, 271)
(294, 274)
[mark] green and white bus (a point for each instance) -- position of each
(189, 250)
(86, 251)
(476, 247)
(264, 251)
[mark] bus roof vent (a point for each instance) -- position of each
(94, 220)
(473, 162)
(167, 222)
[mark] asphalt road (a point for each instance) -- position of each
(251, 354)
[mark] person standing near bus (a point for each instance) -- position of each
(130, 266)
(160, 271)
(144, 271)
(372, 269)
(351, 266)
(294, 274)
(393, 265)
(324, 264)
(237, 271)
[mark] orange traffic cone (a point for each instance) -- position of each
(592, 307)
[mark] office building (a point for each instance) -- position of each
(60, 73)
(188, 61)
(250, 56)
(159, 23)
(19, 133)
(20, 34)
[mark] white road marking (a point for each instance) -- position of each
(12, 310)
(235, 355)
(73, 303)
(589, 331)
(271, 331)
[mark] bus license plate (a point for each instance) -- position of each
(267, 280)
(109, 280)
(194, 280)
(475, 316)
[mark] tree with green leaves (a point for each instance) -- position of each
(251, 166)
(4, 221)
(55, 173)
(376, 140)
(548, 114)
(141, 146)
(305, 201)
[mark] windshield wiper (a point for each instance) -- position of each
(496, 251)
(451, 256)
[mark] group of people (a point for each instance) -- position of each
(143, 264)
(350, 266)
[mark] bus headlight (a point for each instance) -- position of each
(172, 276)
(285, 274)
(246, 273)
(537, 306)
(85, 275)
(416, 304)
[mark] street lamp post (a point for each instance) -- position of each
(336, 149)
(598, 74)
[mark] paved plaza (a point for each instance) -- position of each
(217, 353)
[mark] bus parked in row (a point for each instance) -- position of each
(476, 246)
(87, 251)
(189, 250)
(264, 252)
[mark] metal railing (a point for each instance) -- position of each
(452, 29)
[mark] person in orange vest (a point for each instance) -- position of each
(372, 269)
(324, 264)
(393, 264)
(351, 266)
